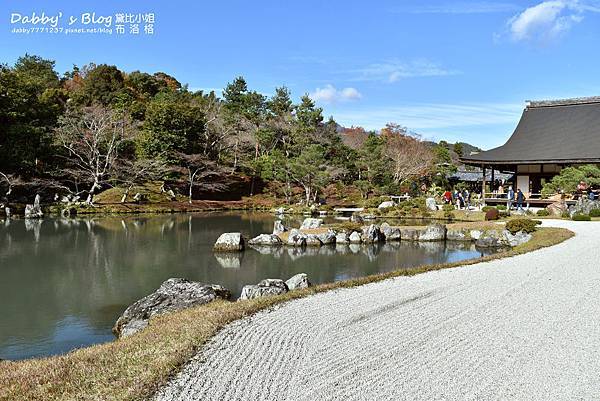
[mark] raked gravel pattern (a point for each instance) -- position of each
(522, 328)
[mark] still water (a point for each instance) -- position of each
(63, 283)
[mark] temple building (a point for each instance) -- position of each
(551, 135)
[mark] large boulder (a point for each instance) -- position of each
(372, 234)
(327, 238)
(557, 209)
(342, 238)
(356, 218)
(430, 204)
(34, 211)
(583, 206)
(311, 223)
(386, 205)
(491, 239)
(265, 288)
(518, 238)
(296, 238)
(433, 232)
(391, 233)
(229, 242)
(266, 239)
(355, 238)
(278, 227)
(298, 281)
(409, 234)
(458, 235)
(173, 295)
(313, 240)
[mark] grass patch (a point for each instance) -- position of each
(134, 368)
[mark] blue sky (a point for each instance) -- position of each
(453, 70)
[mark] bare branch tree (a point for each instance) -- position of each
(92, 137)
(8, 182)
(409, 155)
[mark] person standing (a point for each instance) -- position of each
(520, 200)
(447, 197)
(510, 195)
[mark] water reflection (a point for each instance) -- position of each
(65, 281)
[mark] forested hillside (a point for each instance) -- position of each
(97, 127)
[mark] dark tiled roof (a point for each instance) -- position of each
(566, 131)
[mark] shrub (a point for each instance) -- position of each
(347, 226)
(486, 208)
(595, 213)
(375, 201)
(449, 208)
(543, 212)
(581, 217)
(501, 207)
(492, 214)
(516, 225)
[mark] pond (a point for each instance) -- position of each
(65, 282)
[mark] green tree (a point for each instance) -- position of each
(101, 84)
(31, 100)
(443, 166)
(570, 177)
(173, 125)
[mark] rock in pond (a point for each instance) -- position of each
(356, 218)
(491, 239)
(298, 281)
(266, 239)
(342, 238)
(434, 232)
(313, 240)
(391, 233)
(278, 227)
(296, 238)
(229, 242)
(34, 211)
(355, 238)
(173, 295)
(371, 234)
(265, 288)
(327, 238)
(518, 238)
(311, 223)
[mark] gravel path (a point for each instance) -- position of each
(522, 328)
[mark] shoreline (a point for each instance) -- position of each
(130, 368)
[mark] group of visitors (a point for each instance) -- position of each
(460, 199)
(515, 197)
(584, 190)
(463, 199)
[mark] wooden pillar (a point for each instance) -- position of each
(483, 186)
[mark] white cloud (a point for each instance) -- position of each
(549, 19)
(329, 94)
(395, 70)
(483, 124)
(434, 115)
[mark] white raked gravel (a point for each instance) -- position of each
(522, 328)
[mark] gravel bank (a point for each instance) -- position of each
(523, 328)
